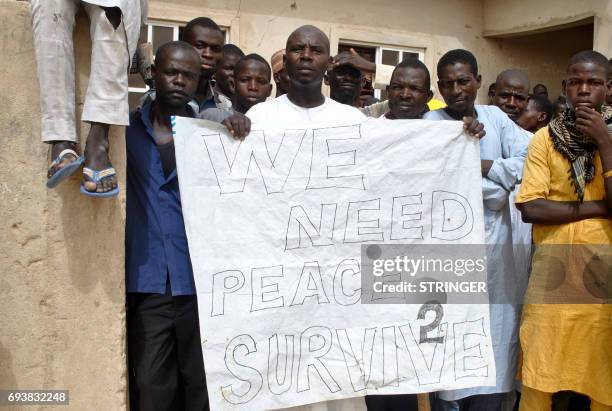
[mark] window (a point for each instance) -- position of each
(380, 54)
(156, 33)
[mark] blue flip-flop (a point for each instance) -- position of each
(66, 171)
(96, 176)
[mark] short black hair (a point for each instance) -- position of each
(232, 50)
(591, 56)
(414, 63)
(458, 56)
(540, 85)
(542, 104)
(255, 57)
(175, 45)
(492, 87)
(202, 22)
(561, 100)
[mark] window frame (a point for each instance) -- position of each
(150, 24)
(175, 26)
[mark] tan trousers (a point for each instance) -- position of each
(534, 400)
(106, 100)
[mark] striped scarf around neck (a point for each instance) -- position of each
(576, 147)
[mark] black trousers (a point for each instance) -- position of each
(486, 402)
(402, 402)
(483, 402)
(164, 353)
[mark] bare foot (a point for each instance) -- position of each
(96, 158)
(56, 148)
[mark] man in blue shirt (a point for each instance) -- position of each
(165, 355)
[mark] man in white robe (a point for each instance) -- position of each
(306, 60)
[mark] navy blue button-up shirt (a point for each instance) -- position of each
(155, 238)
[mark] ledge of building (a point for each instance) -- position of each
(552, 25)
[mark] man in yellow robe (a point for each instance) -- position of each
(566, 329)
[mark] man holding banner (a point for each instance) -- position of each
(284, 263)
(503, 152)
(306, 59)
(165, 358)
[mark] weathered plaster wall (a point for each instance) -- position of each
(61, 253)
(543, 35)
(263, 26)
(543, 56)
(502, 17)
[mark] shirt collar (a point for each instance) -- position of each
(210, 93)
(145, 115)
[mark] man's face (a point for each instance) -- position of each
(511, 95)
(209, 44)
(281, 78)
(586, 85)
(408, 93)
(306, 56)
(225, 73)
(345, 84)
(176, 75)
(540, 91)
(458, 87)
(252, 80)
(532, 119)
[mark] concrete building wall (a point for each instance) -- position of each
(503, 18)
(263, 26)
(543, 35)
(535, 54)
(62, 284)
(62, 288)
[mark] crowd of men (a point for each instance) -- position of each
(551, 187)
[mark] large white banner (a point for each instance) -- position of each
(275, 226)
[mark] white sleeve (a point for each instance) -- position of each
(508, 170)
(256, 114)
